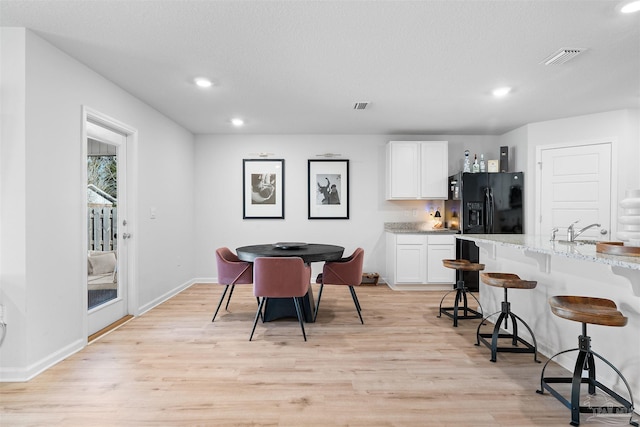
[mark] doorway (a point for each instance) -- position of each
(575, 185)
(106, 226)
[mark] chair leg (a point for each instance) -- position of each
(318, 302)
(299, 313)
(258, 314)
(258, 300)
(226, 307)
(356, 302)
(220, 302)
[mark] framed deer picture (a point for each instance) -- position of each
(328, 189)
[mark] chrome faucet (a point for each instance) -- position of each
(572, 234)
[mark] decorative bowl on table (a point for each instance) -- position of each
(289, 245)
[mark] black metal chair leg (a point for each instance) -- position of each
(318, 302)
(220, 302)
(226, 307)
(299, 313)
(261, 317)
(258, 314)
(355, 301)
(355, 297)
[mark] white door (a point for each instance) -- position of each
(106, 223)
(575, 185)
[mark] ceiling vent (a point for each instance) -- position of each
(360, 105)
(563, 55)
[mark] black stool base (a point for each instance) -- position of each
(491, 339)
(460, 311)
(585, 361)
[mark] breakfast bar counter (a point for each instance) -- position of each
(543, 245)
(563, 268)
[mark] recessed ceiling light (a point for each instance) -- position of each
(501, 91)
(237, 122)
(631, 7)
(202, 82)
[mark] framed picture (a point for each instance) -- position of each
(328, 189)
(263, 187)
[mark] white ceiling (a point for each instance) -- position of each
(293, 67)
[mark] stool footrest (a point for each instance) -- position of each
(449, 311)
(528, 348)
(626, 408)
(460, 308)
(492, 341)
(586, 360)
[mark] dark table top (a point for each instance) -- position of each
(309, 252)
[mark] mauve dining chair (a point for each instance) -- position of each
(280, 277)
(346, 272)
(231, 272)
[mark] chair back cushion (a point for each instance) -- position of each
(232, 271)
(347, 271)
(281, 277)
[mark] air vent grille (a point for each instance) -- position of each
(563, 55)
(360, 105)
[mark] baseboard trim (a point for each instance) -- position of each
(31, 371)
(162, 298)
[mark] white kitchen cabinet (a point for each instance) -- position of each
(417, 170)
(416, 259)
(440, 247)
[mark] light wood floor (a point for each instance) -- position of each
(403, 367)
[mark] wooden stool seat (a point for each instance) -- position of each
(507, 280)
(597, 311)
(462, 264)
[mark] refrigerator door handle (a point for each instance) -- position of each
(491, 211)
(485, 212)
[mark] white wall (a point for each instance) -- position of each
(218, 169)
(12, 192)
(42, 163)
(622, 127)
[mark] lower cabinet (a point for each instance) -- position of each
(440, 247)
(416, 259)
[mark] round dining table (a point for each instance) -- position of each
(276, 308)
(309, 252)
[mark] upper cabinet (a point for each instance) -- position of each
(417, 170)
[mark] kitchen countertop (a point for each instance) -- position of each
(542, 245)
(415, 228)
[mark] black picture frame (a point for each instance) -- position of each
(328, 189)
(263, 188)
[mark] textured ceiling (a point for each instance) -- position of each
(427, 67)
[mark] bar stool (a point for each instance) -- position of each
(461, 293)
(597, 311)
(507, 281)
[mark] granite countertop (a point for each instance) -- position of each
(415, 228)
(542, 245)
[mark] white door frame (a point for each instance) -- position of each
(614, 178)
(131, 198)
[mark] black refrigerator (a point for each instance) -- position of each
(484, 203)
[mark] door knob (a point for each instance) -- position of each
(126, 235)
(603, 231)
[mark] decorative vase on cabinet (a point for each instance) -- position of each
(417, 170)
